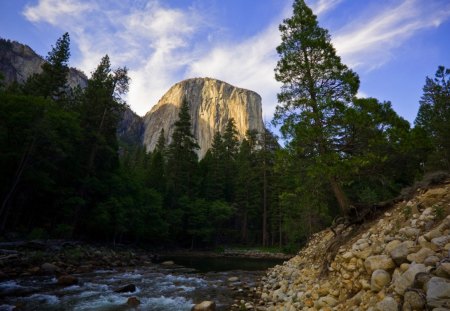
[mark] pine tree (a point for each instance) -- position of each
(316, 89)
(52, 82)
(182, 157)
(434, 117)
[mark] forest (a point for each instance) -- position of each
(65, 174)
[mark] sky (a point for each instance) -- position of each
(392, 44)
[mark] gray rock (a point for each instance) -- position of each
(431, 261)
(421, 255)
(376, 262)
(204, 306)
(441, 241)
(326, 301)
(407, 278)
(438, 292)
(413, 301)
(49, 268)
(401, 252)
(443, 270)
(387, 304)
(379, 280)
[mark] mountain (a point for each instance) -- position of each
(212, 103)
(18, 62)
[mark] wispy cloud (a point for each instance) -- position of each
(322, 6)
(162, 45)
(370, 42)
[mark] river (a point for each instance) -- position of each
(158, 287)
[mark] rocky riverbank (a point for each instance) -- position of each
(399, 261)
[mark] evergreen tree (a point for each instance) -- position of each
(52, 82)
(434, 118)
(182, 158)
(230, 148)
(316, 89)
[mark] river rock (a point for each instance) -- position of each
(441, 241)
(376, 262)
(400, 253)
(387, 304)
(380, 278)
(49, 268)
(413, 301)
(326, 301)
(129, 288)
(233, 279)
(133, 302)
(407, 278)
(421, 255)
(443, 270)
(438, 292)
(168, 263)
(67, 280)
(204, 306)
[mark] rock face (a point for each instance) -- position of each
(18, 62)
(212, 103)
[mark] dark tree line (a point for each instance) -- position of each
(65, 174)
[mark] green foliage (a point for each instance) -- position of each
(316, 89)
(433, 119)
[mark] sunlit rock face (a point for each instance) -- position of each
(212, 103)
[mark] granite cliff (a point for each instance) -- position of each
(212, 103)
(18, 62)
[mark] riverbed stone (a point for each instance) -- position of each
(168, 263)
(421, 255)
(129, 288)
(413, 301)
(49, 268)
(441, 241)
(380, 278)
(204, 306)
(133, 302)
(438, 292)
(233, 279)
(400, 253)
(387, 304)
(383, 262)
(407, 278)
(67, 280)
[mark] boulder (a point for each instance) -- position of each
(326, 301)
(387, 304)
(407, 278)
(379, 280)
(133, 302)
(438, 293)
(400, 253)
(67, 280)
(168, 263)
(49, 268)
(376, 262)
(413, 301)
(441, 241)
(204, 306)
(129, 288)
(421, 255)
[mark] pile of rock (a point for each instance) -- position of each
(401, 261)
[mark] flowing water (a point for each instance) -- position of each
(158, 287)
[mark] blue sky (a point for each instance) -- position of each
(392, 44)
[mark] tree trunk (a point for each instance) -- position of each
(264, 224)
(339, 195)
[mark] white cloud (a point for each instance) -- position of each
(370, 42)
(162, 45)
(322, 6)
(51, 10)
